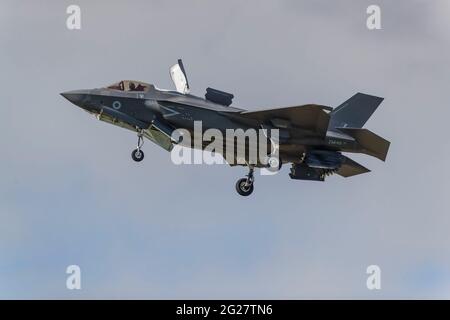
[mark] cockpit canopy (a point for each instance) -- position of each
(130, 85)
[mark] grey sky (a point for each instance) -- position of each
(70, 194)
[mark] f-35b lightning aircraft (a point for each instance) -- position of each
(311, 137)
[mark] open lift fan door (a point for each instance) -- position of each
(220, 97)
(179, 78)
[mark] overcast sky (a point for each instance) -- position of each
(70, 193)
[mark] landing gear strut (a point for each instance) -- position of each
(244, 186)
(138, 154)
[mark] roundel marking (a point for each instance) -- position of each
(116, 105)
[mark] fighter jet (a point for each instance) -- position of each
(311, 137)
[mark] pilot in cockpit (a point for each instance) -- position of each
(129, 86)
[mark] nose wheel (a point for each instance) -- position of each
(244, 186)
(137, 154)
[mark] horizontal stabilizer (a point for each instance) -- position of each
(370, 143)
(351, 168)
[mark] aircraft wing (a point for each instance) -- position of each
(311, 117)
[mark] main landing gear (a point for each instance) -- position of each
(244, 186)
(138, 154)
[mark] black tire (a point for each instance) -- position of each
(242, 189)
(137, 155)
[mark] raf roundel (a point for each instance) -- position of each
(116, 105)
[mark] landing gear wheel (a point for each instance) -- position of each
(243, 187)
(137, 155)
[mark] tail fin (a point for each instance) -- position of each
(355, 111)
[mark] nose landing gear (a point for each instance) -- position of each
(137, 154)
(244, 186)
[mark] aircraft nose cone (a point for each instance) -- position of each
(77, 97)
